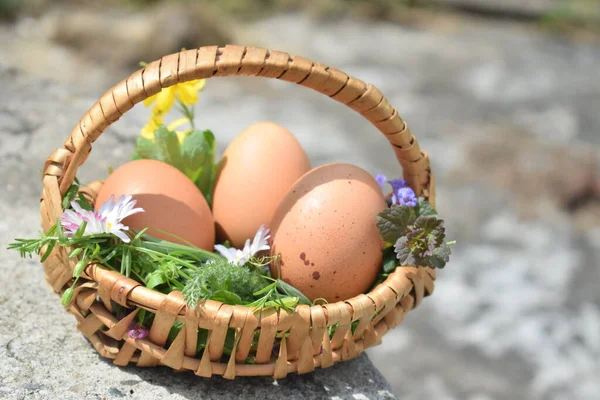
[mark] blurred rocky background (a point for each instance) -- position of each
(504, 96)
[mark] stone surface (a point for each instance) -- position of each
(510, 119)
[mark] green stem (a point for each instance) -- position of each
(188, 112)
(167, 256)
(164, 246)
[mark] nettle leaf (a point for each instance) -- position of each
(425, 208)
(432, 226)
(393, 222)
(428, 223)
(404, 252)
(441, 255)
(167, 145)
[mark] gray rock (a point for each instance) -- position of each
(501, 109)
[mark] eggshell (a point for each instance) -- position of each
(258, 168)
(325, 231)
(171, 201)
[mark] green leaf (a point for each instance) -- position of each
(425, 208)
(49, 249)
(139, 235)
(70, 195)
(80, 231)
(167, 145)
(226, 297)
(198, 153)
(393, 222)
(441, 255)
(110, 256)
(284, 302)
(96, 251)
(60, 233)
(428, 223)
(126, 262)
(404, 254)
(146, 149)
(194, 149)
(202, 338)
(265, 289)
(84, 203)
(75, 252)
(174, 331)
(155, 278)
(167, 247)
(431, 226)
(390, 262)
(292, 292)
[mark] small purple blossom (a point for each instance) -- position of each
(137, 331)
(405, 197)
(381, 179)
(397, 184)
(401, 193)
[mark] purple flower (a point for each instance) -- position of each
(137, 331)
(381, 179)
(405, 196)
(397, 184)
(401, 193)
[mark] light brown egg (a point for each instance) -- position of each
(325, 231)
(171, 201)
(259, 167)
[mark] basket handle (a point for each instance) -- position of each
(210, 61)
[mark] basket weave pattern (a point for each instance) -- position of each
(303, 337)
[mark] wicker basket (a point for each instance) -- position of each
(303, 336)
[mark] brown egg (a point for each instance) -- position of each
(259, 166)
(171, 201)
(325, 231)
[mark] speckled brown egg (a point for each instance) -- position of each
(326, 234)
(258, 168)
(171, 201)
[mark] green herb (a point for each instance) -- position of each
(414, 236)
(393, 222)
(195, 156)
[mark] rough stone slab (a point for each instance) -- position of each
(506, 114)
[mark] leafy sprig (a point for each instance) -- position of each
(195, 156)
(414, 236)
(165, 266)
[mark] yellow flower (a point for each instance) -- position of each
(148, 129)
(186, 92)
(154, 122)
